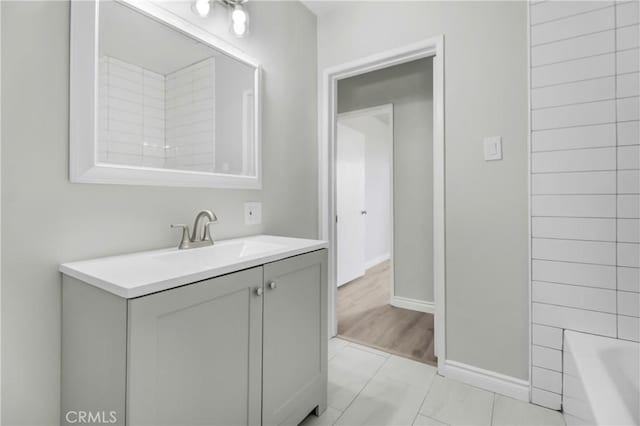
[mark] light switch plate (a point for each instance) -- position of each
(252, 213)
(492, 148)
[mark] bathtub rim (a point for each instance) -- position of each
(598, 384)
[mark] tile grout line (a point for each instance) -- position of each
(547, 368)
(576, 285)
(576, 36)
(546, 390)
(568, 104)
(580, 58)
(543, 108)
(557, 305)
(573, 37)
(577, 82)
(425, 399)
(413, 422)
(578, 171)
(573, 126)
(583, 240)
(578, 263)
(582, 80)
(586, 148)
(615, 87)
(568, 16)
(365, 385)
(580, 217)
(589, 101)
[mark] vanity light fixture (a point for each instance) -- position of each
(239, 18)
(239, 21)
(201, 8)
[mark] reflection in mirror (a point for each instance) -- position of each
(168, 101)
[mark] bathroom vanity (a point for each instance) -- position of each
(232, 334)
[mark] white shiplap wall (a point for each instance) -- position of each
(585, 181)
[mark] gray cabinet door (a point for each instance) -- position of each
(194, 353)
(295, 338)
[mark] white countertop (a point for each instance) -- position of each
(139, 274)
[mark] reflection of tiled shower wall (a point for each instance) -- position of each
(147, 119)
(585, 161)
(190, 115)
(132, 112)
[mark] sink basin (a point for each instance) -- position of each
(139, 274)
(226, 251)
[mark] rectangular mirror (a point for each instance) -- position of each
(156, 100)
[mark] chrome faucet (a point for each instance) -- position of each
(201, 236)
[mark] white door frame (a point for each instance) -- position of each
(432, 47)
(0, 212)
(380, 109)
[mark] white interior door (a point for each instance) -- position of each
(350, 204)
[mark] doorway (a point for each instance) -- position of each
(431, 48)
(388, 305)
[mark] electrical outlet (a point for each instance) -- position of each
(252, 213)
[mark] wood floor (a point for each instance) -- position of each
(366, 317)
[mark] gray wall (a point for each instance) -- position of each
(47, 220)
(485, 90)
(409, 87)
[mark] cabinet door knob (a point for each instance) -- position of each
(272, 285)
(259, 291)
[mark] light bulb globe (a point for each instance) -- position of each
(202, 8)
(239, 21)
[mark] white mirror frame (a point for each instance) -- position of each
(83, 102)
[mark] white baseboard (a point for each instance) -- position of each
(413, 304)
(376, 260)
(486, 379)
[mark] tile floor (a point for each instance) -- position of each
(370, 387)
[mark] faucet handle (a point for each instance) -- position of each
(185, 240)
(207, 232)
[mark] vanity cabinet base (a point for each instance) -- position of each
(246, 348)
(294, 377)
(94, 354)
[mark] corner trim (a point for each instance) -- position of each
(413, 304)
(486, 379)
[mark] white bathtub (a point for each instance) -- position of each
(601, 380)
